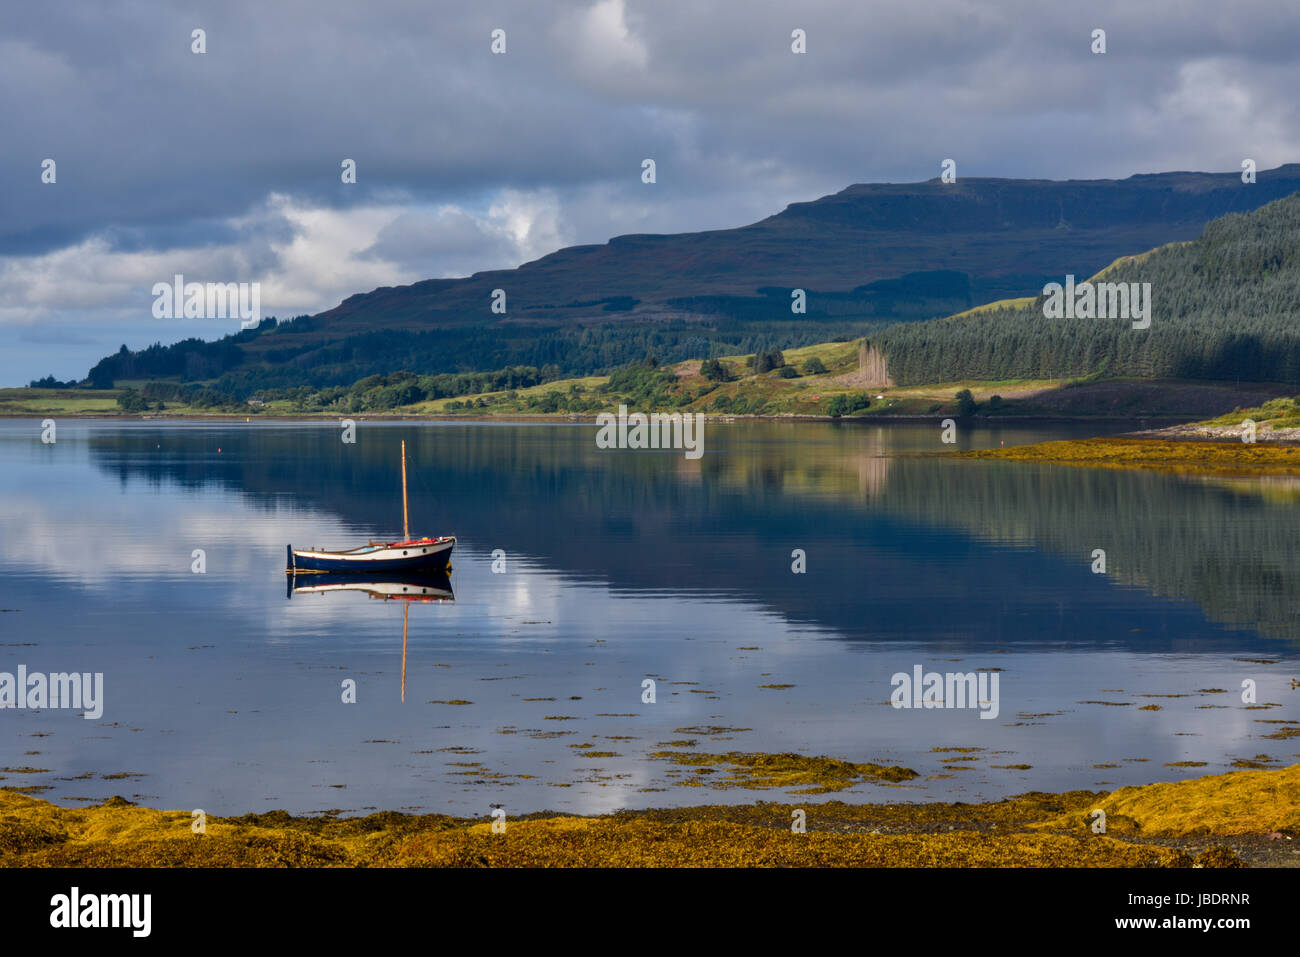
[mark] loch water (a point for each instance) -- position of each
(153, 553)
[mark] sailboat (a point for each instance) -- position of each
(408, 555)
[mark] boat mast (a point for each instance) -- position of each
(406, 528)
(406, 614)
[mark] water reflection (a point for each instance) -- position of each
(726, 523)
(406, 588)
(430, 587)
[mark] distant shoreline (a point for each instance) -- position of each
(744, 395)
(982, 421)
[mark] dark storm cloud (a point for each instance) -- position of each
(481, 161)
(149, 135)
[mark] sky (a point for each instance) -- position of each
(226, 166)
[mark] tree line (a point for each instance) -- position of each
(294, 360)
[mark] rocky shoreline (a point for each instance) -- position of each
(1198, 431)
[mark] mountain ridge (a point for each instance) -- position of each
(1183, 181)
(866, 256)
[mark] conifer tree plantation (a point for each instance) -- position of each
(1225, 306)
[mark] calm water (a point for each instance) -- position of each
(221, 693)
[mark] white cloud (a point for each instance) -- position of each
(330, 253)
(602, 45)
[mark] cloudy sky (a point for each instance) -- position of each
(225, 166)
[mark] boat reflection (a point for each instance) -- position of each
(392, 587)
(407, 588)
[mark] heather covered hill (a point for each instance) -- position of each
(1225, 306)
(867, 256)
(999, 236)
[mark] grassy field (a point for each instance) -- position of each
(92, 402)
(1278, 414)
(809, 393)
(58, 402)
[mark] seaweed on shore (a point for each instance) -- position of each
(1220, 820)
(1216, 458)
(808, 775)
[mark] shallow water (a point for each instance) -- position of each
(223, 694)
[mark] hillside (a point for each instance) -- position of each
(876, 248)
(867, 256)
(1224, 306)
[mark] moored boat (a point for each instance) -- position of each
(414, 555)
(409, 554)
